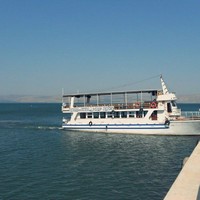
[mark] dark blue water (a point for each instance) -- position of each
(38, 160)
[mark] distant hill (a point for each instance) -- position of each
(29, 99)
(57, 99)
(189, 98)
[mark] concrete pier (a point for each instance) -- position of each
(186, 185)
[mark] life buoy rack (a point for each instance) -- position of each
(153, 104)
(90, 123)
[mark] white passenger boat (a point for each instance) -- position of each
(151, 111)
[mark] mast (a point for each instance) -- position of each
(166, 96)
(164, 87)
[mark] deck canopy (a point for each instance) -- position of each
(78, 95)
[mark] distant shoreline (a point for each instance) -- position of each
(55, 99)
(30, 99)
(58, 99)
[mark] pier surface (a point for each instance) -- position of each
(186, 185)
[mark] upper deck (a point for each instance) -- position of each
(79, 95)
(112, 100)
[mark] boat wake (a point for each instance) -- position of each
(48, 127)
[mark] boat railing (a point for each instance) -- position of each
(118, 106)
(135, 105)
(191, 114)
(175, 112)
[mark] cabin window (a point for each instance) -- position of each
(154, 115)
(123, 114)
(102, 115)
(96, 115)
(89, 115)
(169, 108)
(145, 112)
(116, 114)
(131, 114)
(82, 115)
(173, 103)
(141, 113)
(138, 114)
(109, 115)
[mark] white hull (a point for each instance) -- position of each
(127, 129)
(190, 127)
(185, 127)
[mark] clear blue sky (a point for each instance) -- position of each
(89, 45)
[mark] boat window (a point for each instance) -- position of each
(141, 113)
(109, 115)
(154, 115)
(131, 114)
(96, 114)
(138, 114)
(145, 112)
(89, 115)
(116, 114)
(102, 115)
(169, 108)
(123, 114)
(82, 115)
(173, 103)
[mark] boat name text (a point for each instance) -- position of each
(93, 109)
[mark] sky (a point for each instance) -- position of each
(98, 45)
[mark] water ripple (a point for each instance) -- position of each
(41, 161)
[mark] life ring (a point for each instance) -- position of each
(90, 123)
(153, 104)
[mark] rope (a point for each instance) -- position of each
(131, 83)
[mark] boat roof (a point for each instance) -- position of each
(78, 95)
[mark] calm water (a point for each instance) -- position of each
(38, 160)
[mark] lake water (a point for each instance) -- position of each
(38, 160)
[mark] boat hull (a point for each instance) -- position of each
(190, 127)
(120, 128)
(185, 127)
